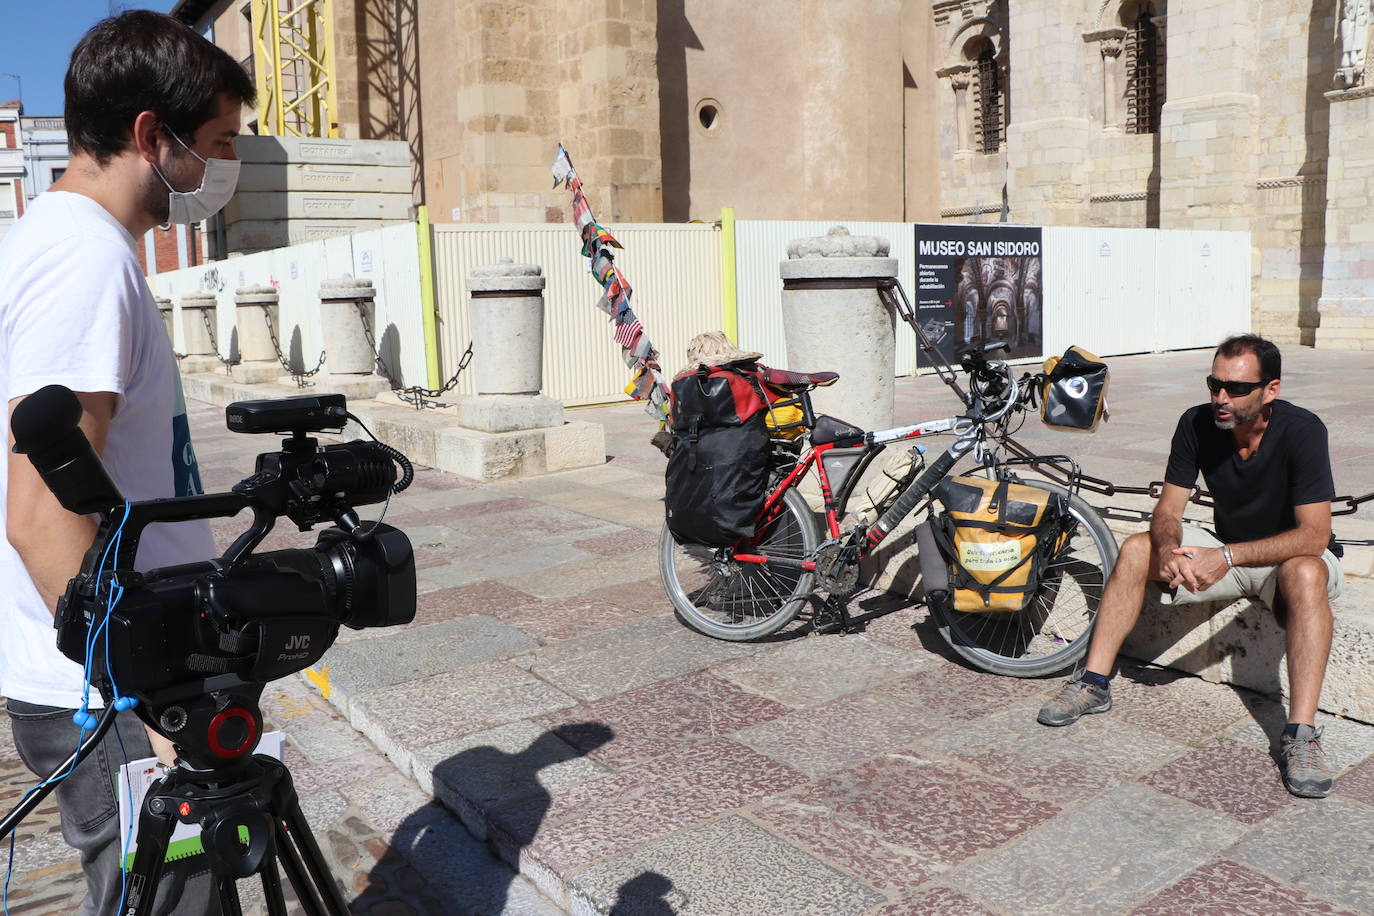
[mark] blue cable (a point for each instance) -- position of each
(129, 831)
(82, 718)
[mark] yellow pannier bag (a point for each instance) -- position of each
(784, 416)
(997, 537)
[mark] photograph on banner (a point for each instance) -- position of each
(979, 284)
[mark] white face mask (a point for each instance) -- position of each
(216, 187)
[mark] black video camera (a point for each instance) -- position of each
(195, 644)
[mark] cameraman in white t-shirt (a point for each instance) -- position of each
(152, 110)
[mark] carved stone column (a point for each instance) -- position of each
(1346, 305)
(958, 77)
(1110, 43)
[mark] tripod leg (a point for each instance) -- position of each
(155, 825)
(228, 896)
(306, 894)
(314, 860)
(271, 886)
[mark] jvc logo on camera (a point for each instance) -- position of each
(296, 647)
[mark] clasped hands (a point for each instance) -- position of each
(1195, 568)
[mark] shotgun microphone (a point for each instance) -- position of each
(46, 427)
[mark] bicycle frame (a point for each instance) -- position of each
(968, 431)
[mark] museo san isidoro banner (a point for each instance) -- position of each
(979, 283)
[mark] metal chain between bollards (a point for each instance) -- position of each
(416, 396)
(229, 363)
(299, 377)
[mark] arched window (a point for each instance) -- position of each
(990, 122)
(1145, 57)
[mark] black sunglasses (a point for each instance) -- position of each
(1234, 389)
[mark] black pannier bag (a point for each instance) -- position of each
(1075, 393)
(717, 473)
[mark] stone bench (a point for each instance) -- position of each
(1238, 643)
(1241, 643)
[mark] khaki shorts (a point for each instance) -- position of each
(1245, 581)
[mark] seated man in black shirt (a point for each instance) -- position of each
(1266, 464)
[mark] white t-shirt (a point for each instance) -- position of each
(75, 310)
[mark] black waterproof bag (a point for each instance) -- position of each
(1075, 393)
(717, 473)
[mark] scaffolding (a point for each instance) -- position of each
(293, 64)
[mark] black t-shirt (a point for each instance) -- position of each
(1254, 498)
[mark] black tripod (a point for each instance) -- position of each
(249, 815)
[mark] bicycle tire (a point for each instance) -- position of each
(1054, 629)
(740, 602)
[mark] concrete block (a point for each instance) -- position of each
(489, 456)
(498, 413)
(259, 235)
(353, 387)
(304, 176)
(275, 205)
(256, 149)
(575, 444)
(1240, 643)
(255, 372)
(192, 365)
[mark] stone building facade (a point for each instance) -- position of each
(1214, 114)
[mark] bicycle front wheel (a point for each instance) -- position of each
(1052, 631)
(717, 595)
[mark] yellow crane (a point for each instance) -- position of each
(293, 65)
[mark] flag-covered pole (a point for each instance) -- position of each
(647, 383)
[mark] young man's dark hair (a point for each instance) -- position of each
(1270, 363)
(145, 61)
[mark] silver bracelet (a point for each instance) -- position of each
(1226, 552)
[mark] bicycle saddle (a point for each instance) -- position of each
(828, 429)
(795, 381)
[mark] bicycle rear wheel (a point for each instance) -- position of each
(1052, 631)
(716, 595)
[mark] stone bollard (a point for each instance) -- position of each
(256, 316)
(506, 311)
(835, 321)
(198, 323)
(343, 303)
(164, 309)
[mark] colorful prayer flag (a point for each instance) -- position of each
(648, 383)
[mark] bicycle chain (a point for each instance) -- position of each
(299, 377)
(416, 396)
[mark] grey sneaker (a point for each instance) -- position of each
(1304, 764)
(1075, 700)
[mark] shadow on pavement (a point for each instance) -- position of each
(645, 894)
(502, 793)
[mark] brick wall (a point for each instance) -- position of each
(167, 251)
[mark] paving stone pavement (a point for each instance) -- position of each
(546, 710)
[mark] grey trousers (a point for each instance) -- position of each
(44, 737)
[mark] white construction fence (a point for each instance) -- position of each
(1111, 291)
